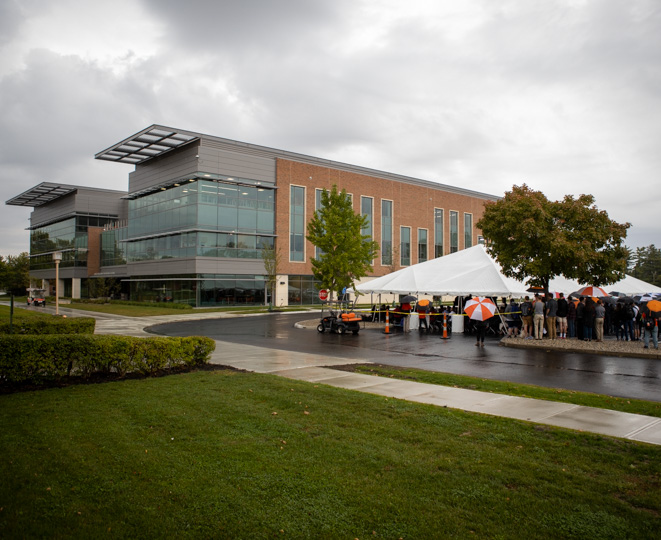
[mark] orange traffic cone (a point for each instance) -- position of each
(387, 330)
(445, 326)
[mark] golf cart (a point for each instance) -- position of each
(340, 318)
(36, 297)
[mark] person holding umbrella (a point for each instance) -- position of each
(405, 309)
(650, 318)
(480, 309)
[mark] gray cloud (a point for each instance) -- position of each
(561, 95)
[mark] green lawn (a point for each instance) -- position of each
(635, 406)
(21, 313)
(140, 311)
(242, 455)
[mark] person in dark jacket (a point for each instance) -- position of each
(571, 318)
(580, 311)
(561, 316)
(588, 319)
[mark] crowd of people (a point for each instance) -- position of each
(586, 318)
(544, 316)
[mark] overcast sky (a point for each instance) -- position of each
(563, 95)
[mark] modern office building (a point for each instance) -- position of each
(200, 210)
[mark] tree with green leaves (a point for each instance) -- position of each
(271, 258)
(647, 264)
(346, 254)
(535, 239)
(103, 287)
(15, 273)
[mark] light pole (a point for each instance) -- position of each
(57, 257)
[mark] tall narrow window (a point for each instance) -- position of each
(317, 206)
(438, 232)
(386, 233)
(366, 210)
(405, 246)
(422, 245)
(297, 224)
(454, 231)
(468, 230)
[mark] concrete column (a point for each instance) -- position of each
(281, 291)
(75, 287)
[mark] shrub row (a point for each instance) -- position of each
(35, 359)
(50, 325)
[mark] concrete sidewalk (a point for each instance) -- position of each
(316, 369)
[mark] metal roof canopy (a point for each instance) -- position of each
(151, 142)
(41, 194)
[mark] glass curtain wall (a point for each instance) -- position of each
(205, 290)
(68, 236)
(113, 246)
(303, 290)
(204, 219)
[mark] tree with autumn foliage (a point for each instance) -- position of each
(345, 254)
(535, 239)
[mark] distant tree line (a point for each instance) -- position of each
(645, 264)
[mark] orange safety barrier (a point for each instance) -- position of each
(387, 330)
(445, 326)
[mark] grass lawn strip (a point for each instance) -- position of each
(634, 406)
(225, 453)
(139, 311)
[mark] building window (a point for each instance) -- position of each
(386, 233)
(297, 224)
(468, 230)
(480, 240)
(405, 246)
(317, 206)
(438, 232)
(366, 209)
(454, 231)
(422, 245)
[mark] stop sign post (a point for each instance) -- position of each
(323, 294)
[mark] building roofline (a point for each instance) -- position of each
(47, 192)
(117, 151)
(151, 142)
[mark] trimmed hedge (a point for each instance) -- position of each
(36, 359)
(51, 325)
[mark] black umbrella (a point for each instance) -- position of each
(624, 300)
(408, 299)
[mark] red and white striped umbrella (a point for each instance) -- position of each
(593, 291)
(480, 308)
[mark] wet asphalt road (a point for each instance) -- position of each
(621, 377)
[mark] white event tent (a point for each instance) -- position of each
(474, 271)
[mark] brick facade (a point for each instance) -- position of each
(413, 206)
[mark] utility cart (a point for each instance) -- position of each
(36, 297)
(339, 317)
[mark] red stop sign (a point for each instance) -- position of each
(323, 294)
